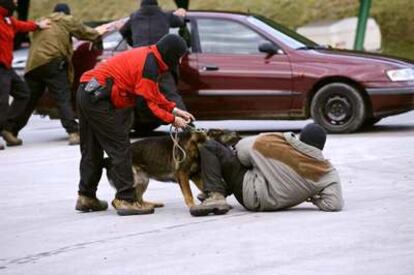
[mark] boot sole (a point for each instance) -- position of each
(14, 144)
(87, 209)
(130, 212)
(201, 212)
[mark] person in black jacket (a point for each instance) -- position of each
(145, 27)
(148, 24)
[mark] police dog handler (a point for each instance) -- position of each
(103, 96)
(270, 171)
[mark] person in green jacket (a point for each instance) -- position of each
(49, 66)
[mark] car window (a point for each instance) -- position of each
(111, 41)
(115, 41)
(227, 37)
(122, 46)
(287, 36)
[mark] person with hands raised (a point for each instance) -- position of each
(10, 82)
(49, 64)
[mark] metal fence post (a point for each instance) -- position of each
(364, 8)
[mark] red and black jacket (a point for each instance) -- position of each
(9, 26)
(135, 72)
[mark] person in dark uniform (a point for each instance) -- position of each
(103, 96)
(145, 27)
(10, 82)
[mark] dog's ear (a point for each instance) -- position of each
(197, 139)
(224, 136)
(214, 133)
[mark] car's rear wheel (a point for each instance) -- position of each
(339, 108)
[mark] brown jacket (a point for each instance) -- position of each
(56, 41)
(285, 172)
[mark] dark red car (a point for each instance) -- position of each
(244, 66)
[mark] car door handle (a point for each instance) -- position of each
(210, 67)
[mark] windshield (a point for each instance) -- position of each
(285, 35)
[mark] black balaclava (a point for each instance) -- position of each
(314, 135)
(149, 3)
(8, 5)
(171, 48)
(62, 7)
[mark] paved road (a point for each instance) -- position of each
(40, 233)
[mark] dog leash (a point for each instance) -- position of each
(176, 145)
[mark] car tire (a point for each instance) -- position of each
(339, 108)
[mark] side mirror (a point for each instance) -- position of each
(269, 48)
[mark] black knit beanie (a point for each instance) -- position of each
(171, 48)
(314, 135)
(149, 3)
(62, 7)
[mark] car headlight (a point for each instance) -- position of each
(401, 74)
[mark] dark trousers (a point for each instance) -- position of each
(221, 170)
(103, 128)
(11, 84)
(54, 77)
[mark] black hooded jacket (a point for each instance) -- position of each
(147, 25)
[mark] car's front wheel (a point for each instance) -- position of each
(339, 108)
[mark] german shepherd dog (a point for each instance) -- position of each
(153, 158)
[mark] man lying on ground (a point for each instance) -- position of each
(270, 171)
